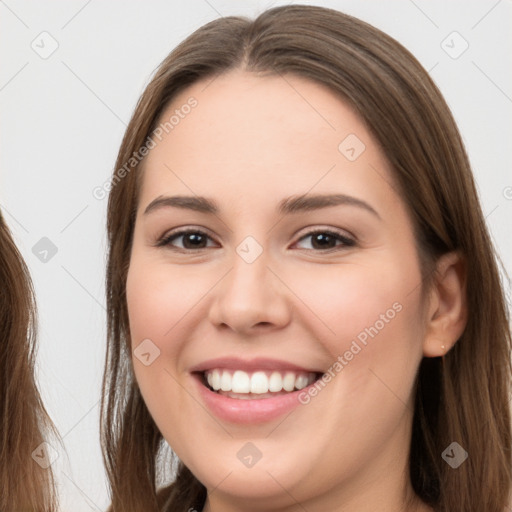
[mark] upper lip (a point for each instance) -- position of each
(249, 365)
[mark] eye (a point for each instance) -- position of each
(324, 240)
(188, 239)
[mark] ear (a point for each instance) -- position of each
(447, 309)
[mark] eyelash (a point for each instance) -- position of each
(345, 241)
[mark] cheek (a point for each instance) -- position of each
(164, 306)
(370, 325)
(358, 301)
(159, 298)
(152, 312)
(375, 348)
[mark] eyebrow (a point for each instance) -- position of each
(294, 204)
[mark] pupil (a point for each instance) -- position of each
(193, 239)
(323, 240)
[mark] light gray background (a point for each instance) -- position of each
(62, 120)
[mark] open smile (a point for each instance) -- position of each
(258, 393)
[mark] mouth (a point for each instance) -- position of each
(255, 385)
(252, 392)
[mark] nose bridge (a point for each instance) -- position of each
(248, 279)
(249, 261)
(248, 295)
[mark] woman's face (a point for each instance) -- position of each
(298, 259)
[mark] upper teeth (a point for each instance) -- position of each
(259, 382)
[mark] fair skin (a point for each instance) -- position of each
(250, 143)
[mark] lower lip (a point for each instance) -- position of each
(257, 410)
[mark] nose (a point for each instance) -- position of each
(250, 298)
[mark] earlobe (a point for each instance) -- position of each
(447, 310)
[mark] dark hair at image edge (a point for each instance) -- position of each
(25, 486)
(463, 397)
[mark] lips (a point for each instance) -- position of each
(234, 363)
(244, 388)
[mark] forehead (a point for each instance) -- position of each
(283, 132)
(245, 108)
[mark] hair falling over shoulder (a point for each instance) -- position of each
(25, 486)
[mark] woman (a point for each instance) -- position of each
(26, 480)
(300, 276)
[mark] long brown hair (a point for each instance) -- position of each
(463, 398)
(25, 484)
